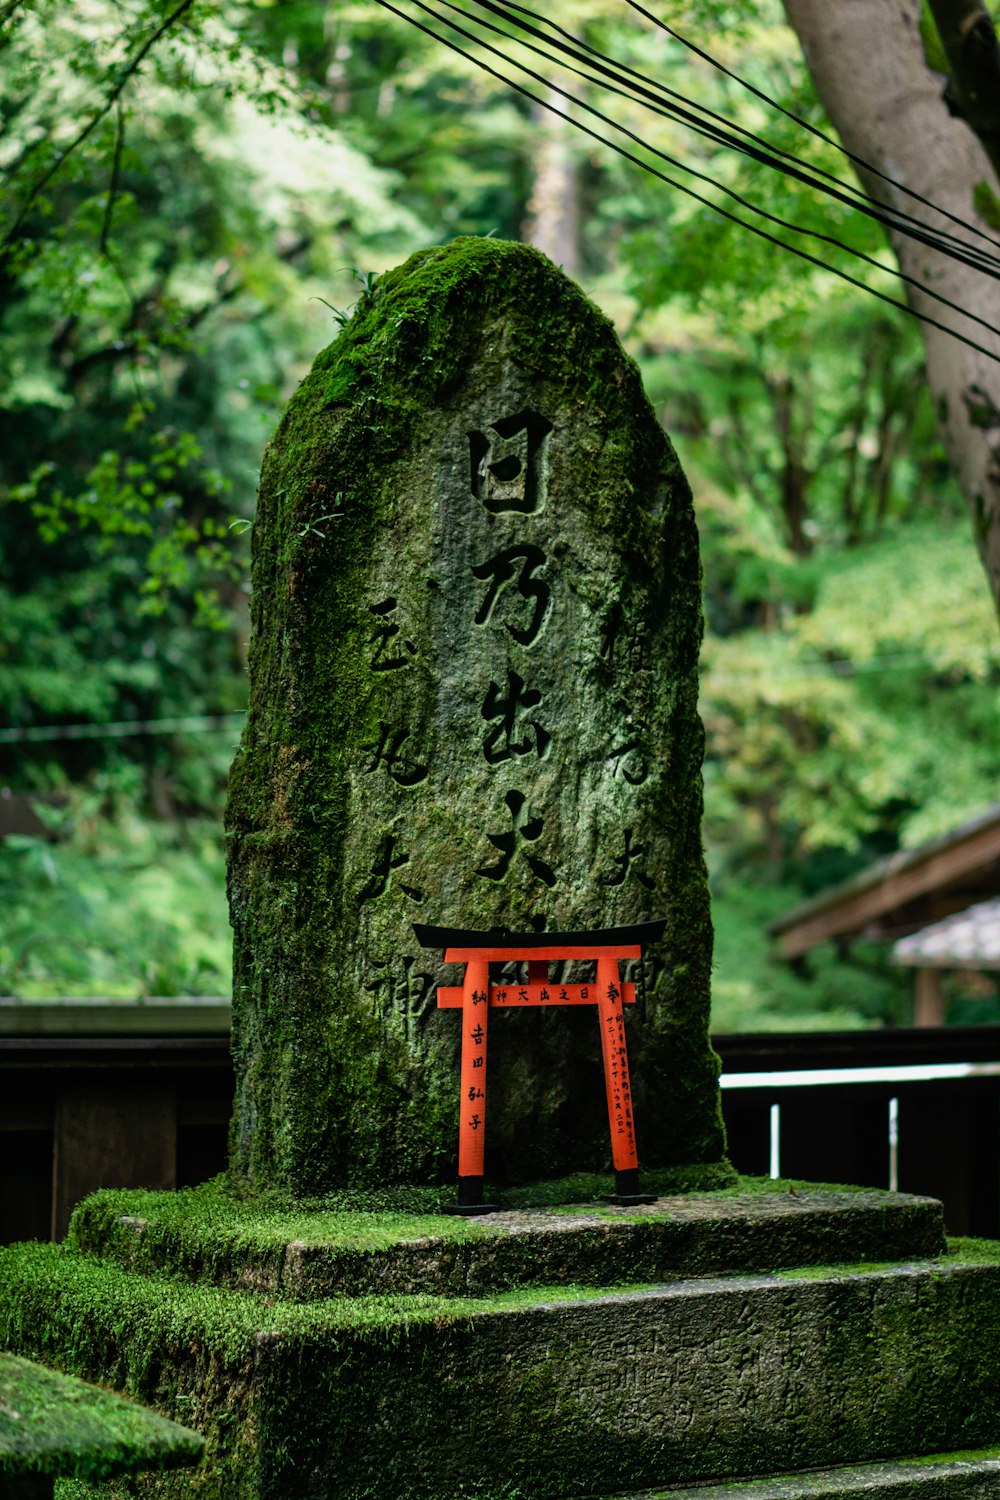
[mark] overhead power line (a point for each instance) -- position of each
(653, 95)
(123, 730)
(859, 161)
(992, 269)
(728, 132)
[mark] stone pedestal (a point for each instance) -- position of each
(353, 1356)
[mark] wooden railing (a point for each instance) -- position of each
(102, 1093)
(107, 1094)
(915, 1109)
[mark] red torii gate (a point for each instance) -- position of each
(477, 996)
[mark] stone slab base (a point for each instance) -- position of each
(538, 1392)
(939, 1477)
(204, 1235)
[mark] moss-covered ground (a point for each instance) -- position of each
(542, 1391)
(308, 1254)
(53, 1424)
(376, 1220)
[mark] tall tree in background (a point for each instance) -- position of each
(869, 64)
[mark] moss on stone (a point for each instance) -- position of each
(53, 1424)
(971, 1474)
(560, 1391)
(203, 1353)
(330, 1093)
(207, 1235)
(956, 1252)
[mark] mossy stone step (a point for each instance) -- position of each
(940, 1476)
(554, 1391)
(54, 1425)
(206, 1235)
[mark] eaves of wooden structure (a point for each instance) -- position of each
(968, 939)
(901, 893)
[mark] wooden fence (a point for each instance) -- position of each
(915, 1109)
(103, 1094)
(100, 1093)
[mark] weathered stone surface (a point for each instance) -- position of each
(936, 1477)
(553, 1393)
(52, 1424)
(476, 619)
(306, 1258)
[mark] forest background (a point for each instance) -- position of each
(182, 237)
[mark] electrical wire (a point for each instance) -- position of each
(804, 124)
(653, 171)
(974, 263)
(123, 730)
(726, 133)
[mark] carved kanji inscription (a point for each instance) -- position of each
(517, 565)
(523, 830)
(507, 463)
(503, 708)
(390, 654)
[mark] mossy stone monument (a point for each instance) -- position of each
(473, 683)
(476, 618)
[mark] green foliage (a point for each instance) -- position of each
(752, 990)
(843, 731)
(122, 909)
(849, 674)
(190, 209)
(934, 52)
(161, 244)
(987, 204)
(868, 716)
(143, 497)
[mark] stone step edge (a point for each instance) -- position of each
(520, 1249)
(976, 1473)
(87, 1310)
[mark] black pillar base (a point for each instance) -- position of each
(470, 1199)
(627, 1192)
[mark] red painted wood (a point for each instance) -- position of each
(616, 1075)
(477, 997)
(449, 996)
(472, 1105)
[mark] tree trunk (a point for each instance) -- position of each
(866, 59)
(795, 476)
(970, 44)
(553, 221)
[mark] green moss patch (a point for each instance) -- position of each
(970, 1252)
(550, 1391)
(957, 1252)
(210, 1236)
(53, 1424)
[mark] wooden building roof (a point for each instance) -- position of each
(903, 892)
(969, 939)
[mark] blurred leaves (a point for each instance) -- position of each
(127, 908)
(180, 218)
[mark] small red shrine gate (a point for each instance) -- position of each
(477, 996)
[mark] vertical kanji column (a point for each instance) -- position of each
(472, 1106)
